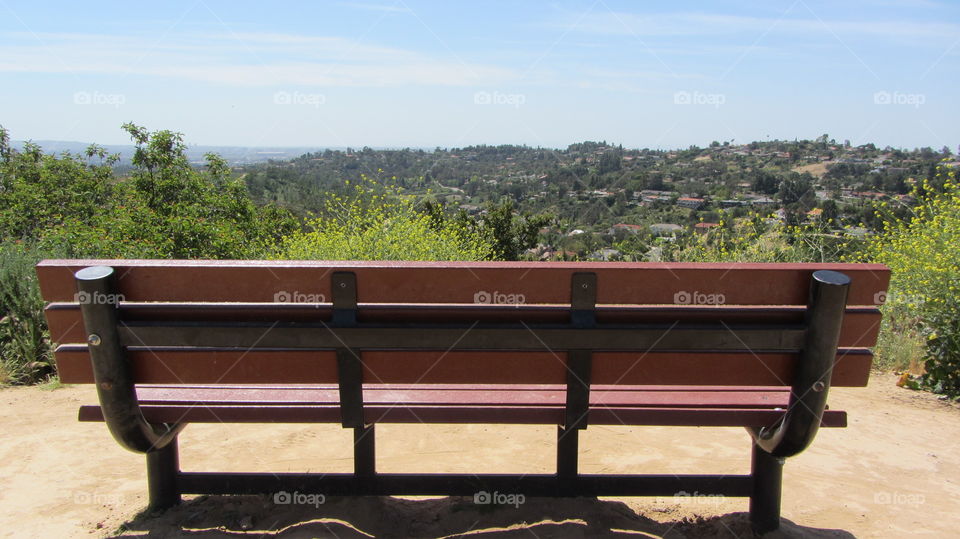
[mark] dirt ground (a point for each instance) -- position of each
(894, 472)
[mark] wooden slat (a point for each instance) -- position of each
(453, 395)
(436, 404)
(540, 415)
(459, 282)
(861, 325)
(305, 367)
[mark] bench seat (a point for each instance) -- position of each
(714, 406)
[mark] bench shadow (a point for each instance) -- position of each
(363, 517)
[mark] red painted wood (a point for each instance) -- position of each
(703, 417)
(860, 328)
(488, 395)
(304, 367)
(459, 282)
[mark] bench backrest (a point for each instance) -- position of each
(281, 322)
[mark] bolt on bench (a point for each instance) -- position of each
(173, 342)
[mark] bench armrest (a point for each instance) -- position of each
(811, 382)
(111, 371)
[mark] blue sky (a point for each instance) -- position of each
(409, 73)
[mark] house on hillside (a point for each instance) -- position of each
(666, 229)
(623, 227)
(691, 202)
(703, 228)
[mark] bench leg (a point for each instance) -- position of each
(364, 451)
(163, 466)
(568, 449)
(767, 472)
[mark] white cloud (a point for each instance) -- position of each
(708, 24)
(255, 59)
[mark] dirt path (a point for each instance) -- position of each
(895, 472)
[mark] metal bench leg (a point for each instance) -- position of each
(567, 451)
(364, 451)
(767, 472)
(163, 466)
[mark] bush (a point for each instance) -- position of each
(167, 209)
(71, 206)
(923, 253)
(378, 223)
(26, 354)
(756, 239)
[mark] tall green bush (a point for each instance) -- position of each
(378, 222)
(923, 253)
(25, 348)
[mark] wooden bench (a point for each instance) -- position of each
(359, 343)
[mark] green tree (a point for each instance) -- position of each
(512, 233)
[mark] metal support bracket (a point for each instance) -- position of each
(583, 301)
(111, 371)
(808, 396)
(343, 286)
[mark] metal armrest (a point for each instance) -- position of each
(115, 384)
(811, 382)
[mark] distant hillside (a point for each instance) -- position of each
(235, 155)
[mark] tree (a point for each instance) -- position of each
(512, 233)
(765, 182)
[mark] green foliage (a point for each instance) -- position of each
(73, 206)
(758, 238)
(923, 253)
(378, 222)
(168, 209)
(39, 191)
(512, 233)
(26, 354)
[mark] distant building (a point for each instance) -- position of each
(705, 227)
(730, 203)
(666, 229)
(690, 202)
(606, 254)
(622, 227)
(758, 200)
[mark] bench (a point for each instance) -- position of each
(574, 344)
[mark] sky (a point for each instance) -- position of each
(405, 73)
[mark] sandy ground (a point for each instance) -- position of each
(894, 472)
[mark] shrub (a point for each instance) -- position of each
(378, 222)
(923, 253)
(25, 349)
